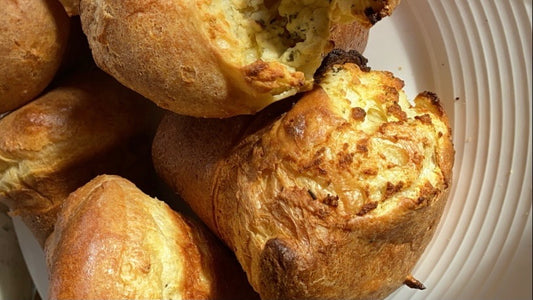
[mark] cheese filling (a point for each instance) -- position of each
(294, 33)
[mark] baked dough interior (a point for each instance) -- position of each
(390, 142)
(291, 34)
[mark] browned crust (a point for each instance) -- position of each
(298, 241)
(303, 264)
(167, 52)
(338, 57)
(112, 241)
(33, 40)
(166, 58)
(51, 146)
(414, 283)
(351, 36)
(376, 10)
(178, 161)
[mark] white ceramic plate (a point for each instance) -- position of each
(15, 280)
(476, 55)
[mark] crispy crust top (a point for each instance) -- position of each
(112, 241)
(353, 167)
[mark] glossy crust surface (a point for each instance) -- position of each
(33, 39)
(112, 241)
(335, 199)
(51, 146)
(221, 58)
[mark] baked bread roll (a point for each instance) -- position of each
(222, 58)
(33, 37)
(112, 241)
(336, 198)
(85, 126)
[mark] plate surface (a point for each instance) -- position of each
(476, 55)
(15, 280)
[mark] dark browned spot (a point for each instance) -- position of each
(413, 283)
(313, 164)
(361, 146)
(345, 159)
(367, 207)
(372, 15)
(417, 158)
(331, 200)
(370, 171)
(254, 69)
(295, 127)
(345, 146)
(432, 96)
(290, 39)
(358, 114)
(435, 101)
(396, 110)
(340, 57)
(392, 189)
(390, 94)
(313, 196)
(278, 265)
(424, 119)
(145, 268)
(320, 151)
(427, 193)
